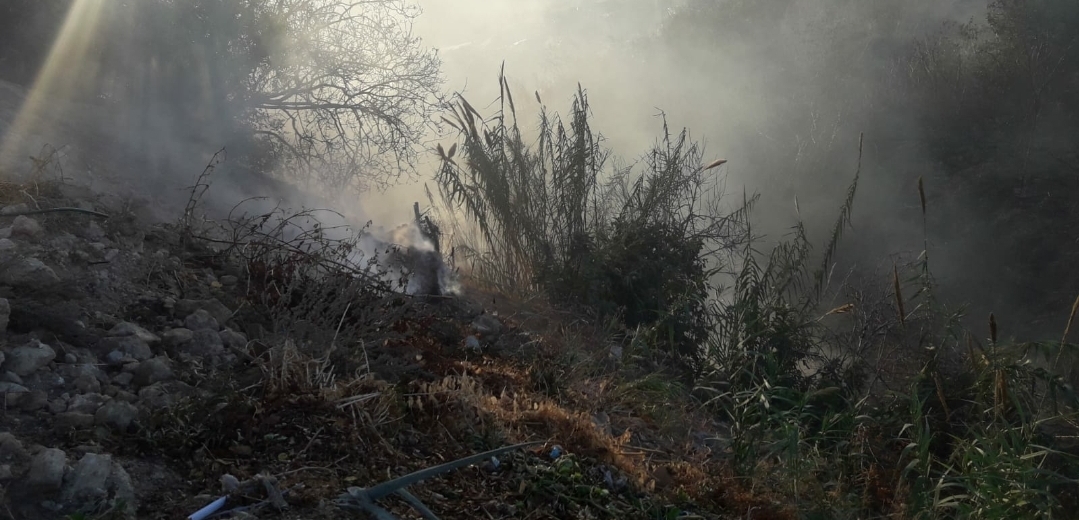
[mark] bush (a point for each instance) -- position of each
(640, 242)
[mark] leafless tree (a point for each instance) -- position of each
(334, 94)
(346, 90)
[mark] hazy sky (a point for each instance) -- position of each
(727, 96)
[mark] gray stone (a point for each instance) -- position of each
(89, 480)
(122, 487)
(6, 244)
(86, 384)
(28, 272)
(165, 393)
(229, 280)
(12, 449)
(127, 328)
(233, 340)
(15, 208)
(29, 358)
(130, 345)
(57, 406)
(487, 325)
(218, 310)
(123, 378)
(70, 358)
(472, 343)
(5, 313)
(84, 370)
(204, 343)
(44, 380)
(73, 421)
(26, 227)
(93, 232)
(12, 388)
(106, 320)
(86, 403)
(5, 472)
(176, 337)
(64, 243)
(201, 320)
(116, 414)
(10, 377)
(33, 401)
(116, 358)
(47, 470)
(152, 371)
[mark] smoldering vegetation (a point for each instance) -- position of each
(888, 152)
(867, 273)
(784, 89)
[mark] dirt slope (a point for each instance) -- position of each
(146, 367)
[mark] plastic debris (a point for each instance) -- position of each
(201, 514)
(556, 451)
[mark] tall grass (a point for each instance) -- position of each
(641, 241)
(879, 406)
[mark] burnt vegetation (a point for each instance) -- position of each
(841, 394)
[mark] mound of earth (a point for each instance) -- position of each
(147, 371)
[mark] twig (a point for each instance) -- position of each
(53, 210)
(313, 437)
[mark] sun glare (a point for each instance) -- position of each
(64, 71)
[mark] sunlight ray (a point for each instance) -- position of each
(64, 70)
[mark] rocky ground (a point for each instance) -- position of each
(149, 369)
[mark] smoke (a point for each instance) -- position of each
(140, 97)
(782, 90)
